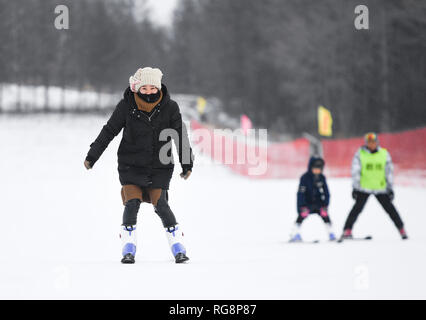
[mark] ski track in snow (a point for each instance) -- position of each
(60, 225)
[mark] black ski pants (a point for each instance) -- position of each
(313, 210)
(383, 199)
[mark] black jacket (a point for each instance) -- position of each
(313, 190)
(140, 145)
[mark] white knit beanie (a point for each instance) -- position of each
(150, 76)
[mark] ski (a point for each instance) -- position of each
(305, 242)
(355, 239)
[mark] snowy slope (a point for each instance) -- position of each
(33, 98)
(59, 228)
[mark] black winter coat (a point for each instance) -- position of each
(140, 145)
(313, 190)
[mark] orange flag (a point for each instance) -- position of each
(325, 122)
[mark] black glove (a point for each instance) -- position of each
(391, 194)
(354, 194)
(186, 171)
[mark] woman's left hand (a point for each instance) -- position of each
(186, 172)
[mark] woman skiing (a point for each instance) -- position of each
(372, 174)
(312, 197)
(151, 119)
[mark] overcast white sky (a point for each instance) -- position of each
(161, 10)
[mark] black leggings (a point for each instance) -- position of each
(383, 199)
(162, 209)
(326, 218)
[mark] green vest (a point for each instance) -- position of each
(373, 173)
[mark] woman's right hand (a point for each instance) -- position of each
(87, 164)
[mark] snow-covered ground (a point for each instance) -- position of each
(59, 228)
(37, 98)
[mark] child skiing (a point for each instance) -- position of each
(372, 173)
(312, 197)
(146, 112)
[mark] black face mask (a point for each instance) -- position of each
(150, 98)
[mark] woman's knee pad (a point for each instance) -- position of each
(131, 212)
(164, 212)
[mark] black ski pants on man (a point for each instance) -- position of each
(383, 199)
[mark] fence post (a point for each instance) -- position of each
(315, 145)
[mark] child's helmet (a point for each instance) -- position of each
(318, 163)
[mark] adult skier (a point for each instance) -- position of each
(313, 197)
(372, 173)
(151, 119)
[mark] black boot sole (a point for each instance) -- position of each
(128, 259)
(181, 258)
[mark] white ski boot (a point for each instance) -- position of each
(128, 239)
(175, 239)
